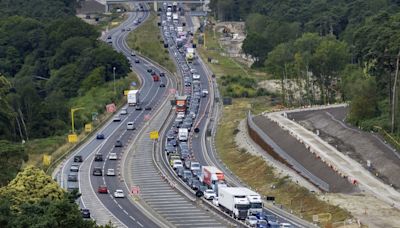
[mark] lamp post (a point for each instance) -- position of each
(114, 68)
(72, 118)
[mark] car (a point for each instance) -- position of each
(172, 142)
(177, 163)
(162, 84)
(285, 225)
(128, 29)
(137, 61)
(102, 189)
(123, 30)
(78, 158)
(85, 213)
(209, 194)
(113, 156)
(147, 108)
(124, 111)
(98, 157)
(251, 220)
(110, 172)
(130, 126)
(195, 183)
(162, 74)
(170, 149)
(133, 54)
(171, 135)
(196, 76)
(100, 136)
(204, 92)
(119, 193)
(74, 168)
(180, 171)
(73, 177)
(196, 173)
(109, 37)
(149, 70)
(180, 115)
(97, 171)
(117, 119)
(261, 223)
(138, 107)
(186, 175)
(118, 143)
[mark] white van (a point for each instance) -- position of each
(183, 134)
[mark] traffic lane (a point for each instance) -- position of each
(106, 150)
(93, 143)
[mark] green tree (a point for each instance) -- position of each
(31, 185)
(330, 58)
(12, 157)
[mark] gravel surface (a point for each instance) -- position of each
(298, 151)
(359, 145)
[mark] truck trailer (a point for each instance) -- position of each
(133, 97)
(212, 177)
(233, 200)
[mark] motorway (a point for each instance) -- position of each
(203, 148)
(157, 193)
(123, 212)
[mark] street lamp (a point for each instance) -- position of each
(114, 68)
(72, 118)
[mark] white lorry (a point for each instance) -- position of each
(183, 134)
(233, 200)
(255, 200)
(133, 97)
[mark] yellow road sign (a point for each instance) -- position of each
(126, 92)
(154, 135)
(46, 159)
(88, 127)
(72, 138)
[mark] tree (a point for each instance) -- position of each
(280, 62)
(364, 102)
(12, 157)
(330, 58)
(30, 186)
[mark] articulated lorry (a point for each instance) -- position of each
(133, 97)
(212, 177)
(233, 200)
(255, 200)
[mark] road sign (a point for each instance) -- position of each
(72, 138)
(111, 108)
(88, 127)
(46, 159)
(135, 190)
(94, 116)
(126, 92)
(154, 135)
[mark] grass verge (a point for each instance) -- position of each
(147, 41)
(253, 169)
(93, 100)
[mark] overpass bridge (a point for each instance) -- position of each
(111, 2)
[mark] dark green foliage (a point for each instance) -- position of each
(45, 213)
(48, 56)
(311, 41)
(12, 157)
(239, 86)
